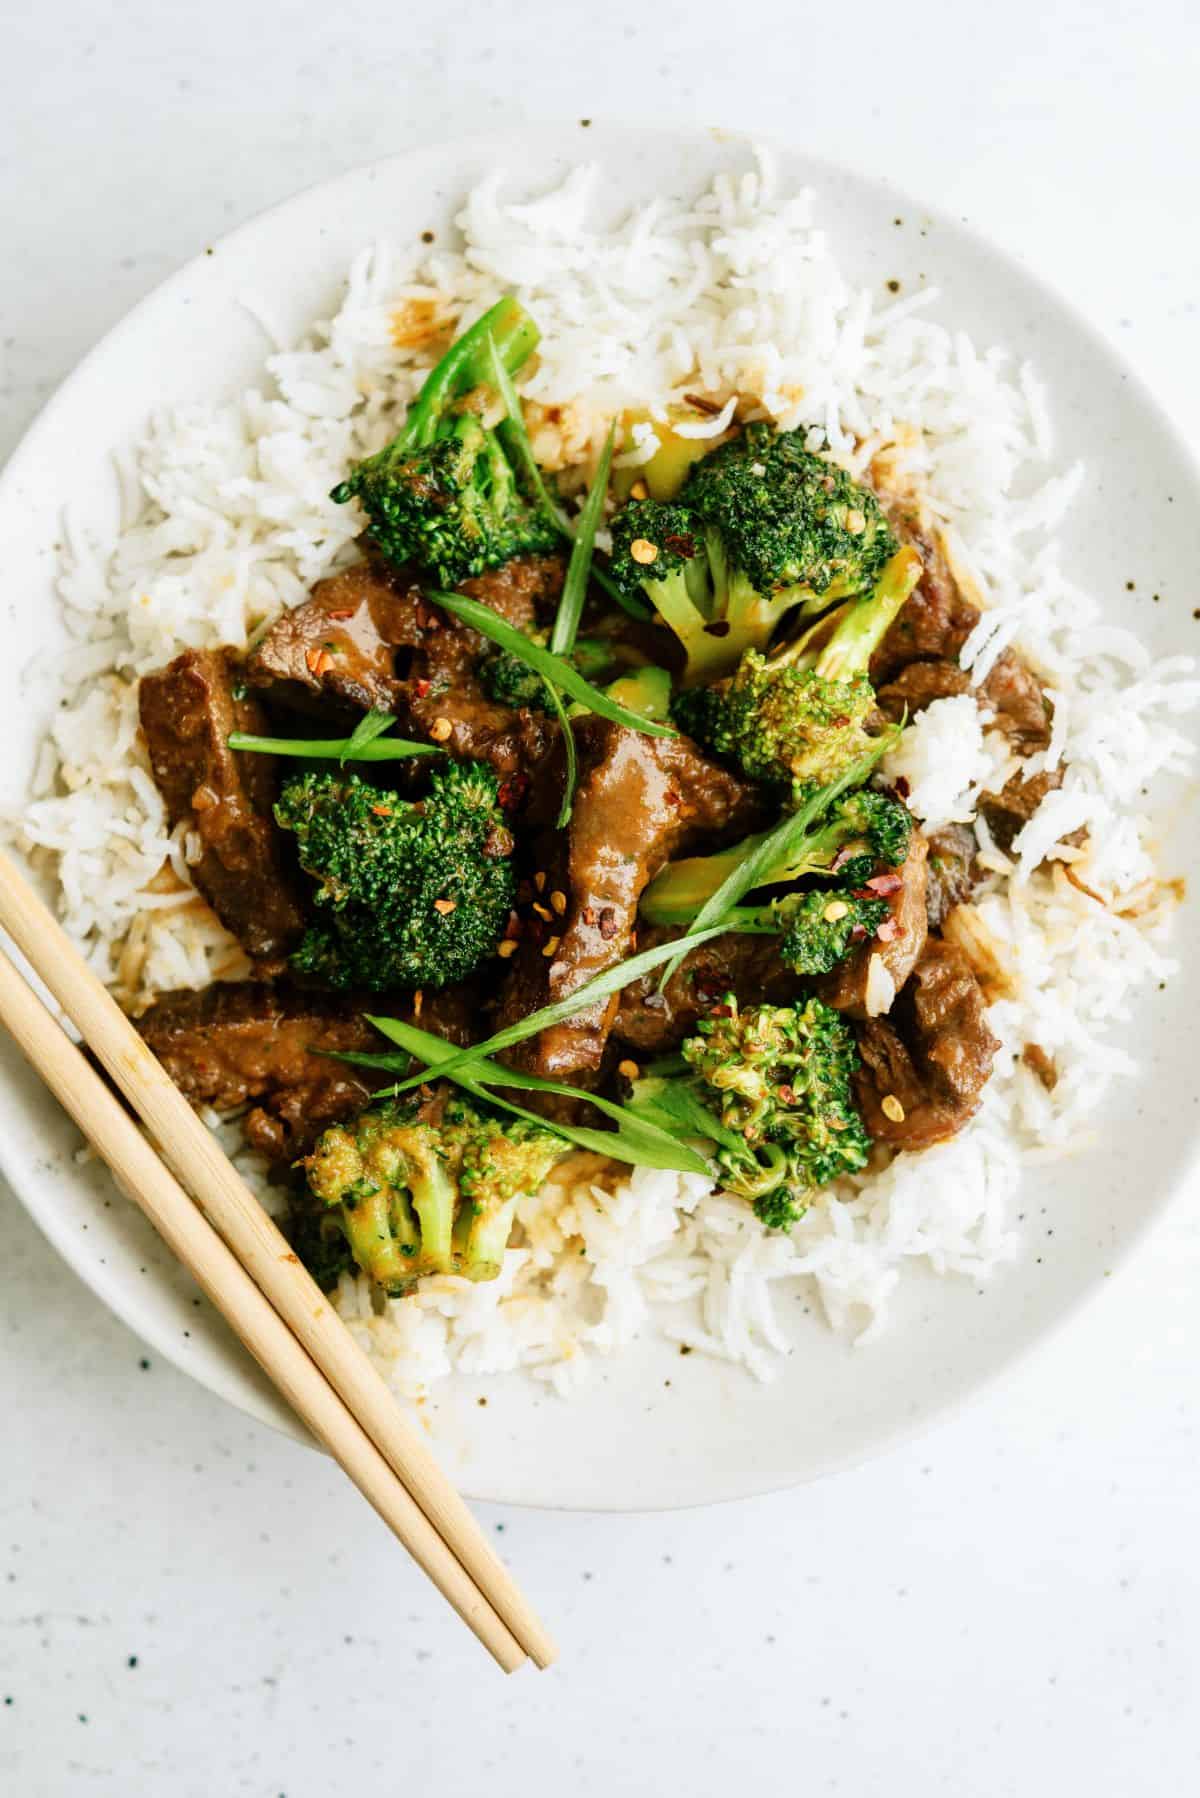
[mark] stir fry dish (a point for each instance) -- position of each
(556, 821)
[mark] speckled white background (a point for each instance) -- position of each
(193, 1608)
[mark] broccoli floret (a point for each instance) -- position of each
(817, 929)
(412, 1196)
(863, 830)
(413, 894)
(443, 493)
(761, 528)
(770, 1087)
(794, 720)
(508, 680)
(646, 691)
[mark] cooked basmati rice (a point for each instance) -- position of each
(736, 293)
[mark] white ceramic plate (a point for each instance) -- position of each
(653, 1429)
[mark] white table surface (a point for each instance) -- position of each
(193, 1607)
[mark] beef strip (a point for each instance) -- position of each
(937, 619)
(367, 638)
(640, 800)
(443, 698)
(651, 1023)
(925, 1066)
(1009, 811)
(188, 711)
(339, 647)
(242, 1042)
(1011, 691)
(951, 873)
(898, 947)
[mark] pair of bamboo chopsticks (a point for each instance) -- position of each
(245, 1266)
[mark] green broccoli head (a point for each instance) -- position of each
(817, 929)
(761, 528)
(452, 506)
(797, 719)
(786, 519)
(410, 1195)
(509, 680)
(411, 894)
(443, 493)
(780, 1077)
(862, 831)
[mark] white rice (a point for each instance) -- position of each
(737, 294)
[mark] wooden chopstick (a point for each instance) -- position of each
(113, 1133)
(202, 1167)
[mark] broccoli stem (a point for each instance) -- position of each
(481, 1235)
(383, 1236)
(864, 624)
(433, 1199)
(676, 895)
(468, 363)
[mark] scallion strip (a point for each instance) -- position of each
(371, 725)
(570, 605)
(600, 986)
(774, 850)
(515, 437)
(572, 755)
(337, 749)
(554, 668)
(654, 1146)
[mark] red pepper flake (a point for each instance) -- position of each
(382, 811)
(512, 929)
(318, 661)
(845, 854)
(888, 931)
(422, 688)
(512, 791)
(608, 923)
(841, 722)
(681, 543)
(786, 1093)
(445, 906)
(858, 934)
(902, 789)
(342, 613)
(884, 885)
(671, 797)
(589, 915)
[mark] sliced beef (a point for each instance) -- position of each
(247, 1042)
(188, 712)
(339, 647)
(1011, 692)
(897, 944)
(936, 621)
(441, 696)
(1009, 811)
(951, 873)
(651, 1023)
(925, 1066)
(1017, 697)
(472, 727)
(640, 800)
(367, 638)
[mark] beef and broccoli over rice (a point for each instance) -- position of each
(598, 786)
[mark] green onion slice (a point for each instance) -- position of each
(544, 662)
(600, 986)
